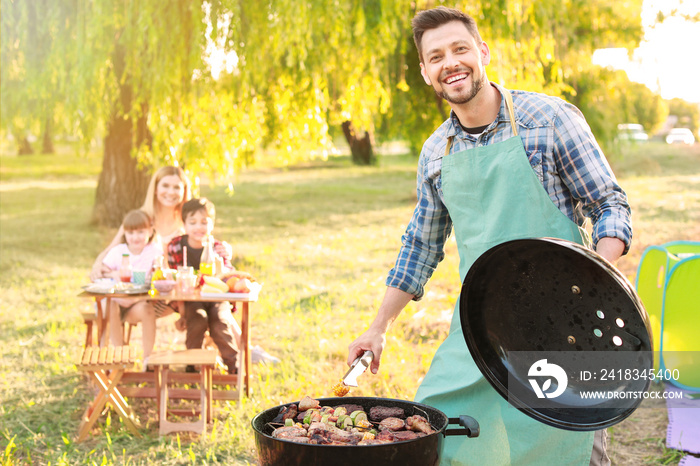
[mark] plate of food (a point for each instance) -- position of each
(131, 288)
(110, 286)
(101, 286)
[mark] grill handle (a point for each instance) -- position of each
(471, 426)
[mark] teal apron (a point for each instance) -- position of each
(493, 196)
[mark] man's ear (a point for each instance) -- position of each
(423, 73)
(485, 53)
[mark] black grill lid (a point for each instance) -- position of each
(534, 299)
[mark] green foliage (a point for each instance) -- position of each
(302, 68)
(688, 114)
(643, 106)
(591, 91)
(32, 85)
(324, 63)
(607, 98)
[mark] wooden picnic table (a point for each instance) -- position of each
(242, 379)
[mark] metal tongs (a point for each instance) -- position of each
(357, 367)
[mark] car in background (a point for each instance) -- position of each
(680, 136)
(632, 132)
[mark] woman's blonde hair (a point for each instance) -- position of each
(137, 219)
(149, 204)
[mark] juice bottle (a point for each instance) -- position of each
(157, 271)
(206, 263)
(156, 274)
(125, 269)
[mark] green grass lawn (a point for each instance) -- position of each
(321, 239)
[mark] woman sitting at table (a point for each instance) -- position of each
(168, 190)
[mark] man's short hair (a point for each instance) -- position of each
(436, 17)
(197, 204)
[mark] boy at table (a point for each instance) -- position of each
(198, 216)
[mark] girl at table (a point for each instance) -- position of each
(139, 245)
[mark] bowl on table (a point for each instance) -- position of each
(164, 286)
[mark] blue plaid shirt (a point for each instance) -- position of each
(563, 153)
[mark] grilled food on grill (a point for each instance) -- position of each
(287, 412)
(392, 423)
(418, 424)
(288, 432)
(340, 389)
(307, 403)
(397, 436)
(379, 413)
(347, 424)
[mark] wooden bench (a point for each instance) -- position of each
(89, 319)
(106, 367)
(161, 362)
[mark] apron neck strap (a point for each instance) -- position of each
(511, 115)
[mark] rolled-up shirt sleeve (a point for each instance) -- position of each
(422, 244)
(586, 173)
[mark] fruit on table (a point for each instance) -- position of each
(210, 289)
(239, 286)
(236, 274)
(157, 275)
(214, 285)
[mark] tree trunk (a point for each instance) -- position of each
(24, 146)
(122, 184)
(47, 139)
(361, 149)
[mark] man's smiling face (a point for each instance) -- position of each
(453, 62)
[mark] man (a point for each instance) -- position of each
(505, 165)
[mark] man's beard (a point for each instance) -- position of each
(477, 85)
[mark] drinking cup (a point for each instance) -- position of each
(138, 277)
(186, 279)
